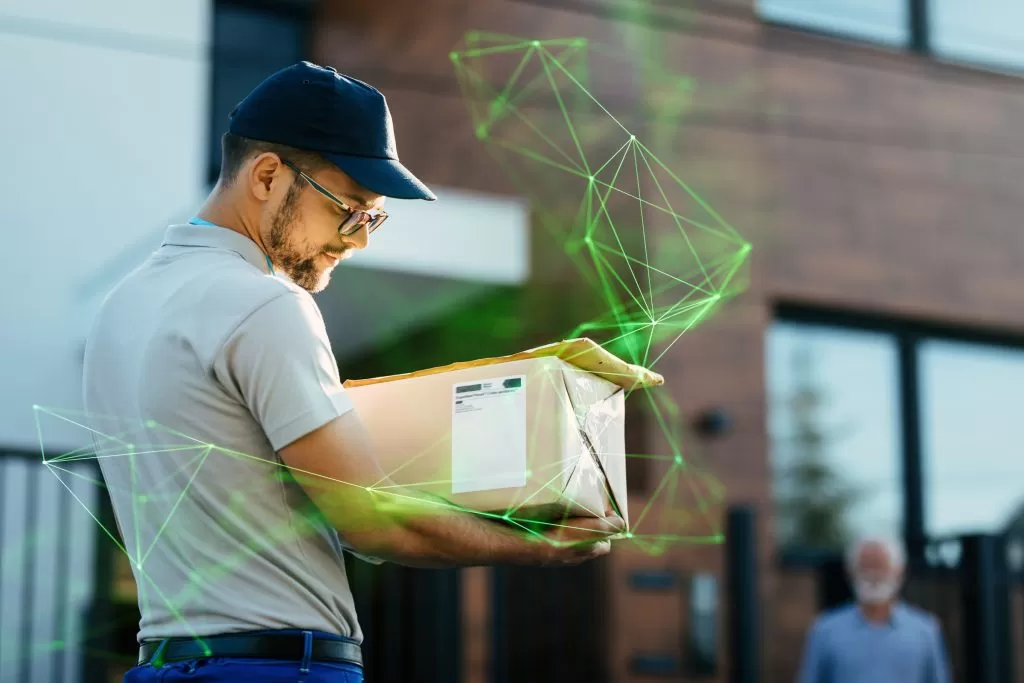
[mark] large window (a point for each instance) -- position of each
(834, 427)
(987, 33)
(251, 40)
(884, 425)
(972, 414)
(983, 33)
(881, 21)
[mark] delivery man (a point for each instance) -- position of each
(217, 345)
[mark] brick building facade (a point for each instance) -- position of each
(867, 180)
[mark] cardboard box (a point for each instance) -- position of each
(533, 435)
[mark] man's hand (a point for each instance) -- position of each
(579, 539)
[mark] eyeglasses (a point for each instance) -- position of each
(357, 218)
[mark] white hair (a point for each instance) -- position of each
(894, 548)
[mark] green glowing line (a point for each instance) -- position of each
(670, 492)
(643, 232)
(184, 491)
(565, 469)
(692, 194)
(480, 52)
(650, 502)
(407, 463)
(135, 506)
(592, 98)
(686, 237)
(176, 612)
(79, 458)
(650, 456)
(678, 217)
(544, 56)
(536, 157)
(689, 325)
(622, 250)
(515, 111)
(615, 154)
(512, 81)
(77, 424)
(96, 482)
(39, 433)
(89, 512)
(601, 260)
(678, 281)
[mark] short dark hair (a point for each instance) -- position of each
(235, 150)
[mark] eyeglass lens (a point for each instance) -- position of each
(359, 218)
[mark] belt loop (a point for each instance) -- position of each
(307, 651)
(157, 662)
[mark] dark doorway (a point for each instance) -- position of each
(551, 625)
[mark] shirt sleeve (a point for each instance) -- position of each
(280, 363)
(812, 668)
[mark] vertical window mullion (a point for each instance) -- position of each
(917, 14)
(913, 474)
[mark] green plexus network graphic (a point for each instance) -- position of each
(662, 258)
(657, 258)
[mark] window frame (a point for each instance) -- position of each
(299, 11)
(908, 333)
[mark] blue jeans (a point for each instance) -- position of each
(249, 670)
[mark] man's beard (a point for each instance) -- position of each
(298, 265)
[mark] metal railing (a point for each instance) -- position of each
(47, 544)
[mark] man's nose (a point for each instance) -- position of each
(357, 240)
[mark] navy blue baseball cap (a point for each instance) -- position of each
(315, 108)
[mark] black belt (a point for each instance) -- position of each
(284, 647)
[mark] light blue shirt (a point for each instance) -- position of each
(844, 647)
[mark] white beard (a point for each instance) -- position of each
(875, 592)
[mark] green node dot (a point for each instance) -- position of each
(150, 423)
(454, 56)
(481, 133)
(207, 651)
(679, 460)
(590, 178)
(629, 534)
(35, 406)
(143, 499)
(529, 473)
(632, 137)
(536, 43)
(580, 42)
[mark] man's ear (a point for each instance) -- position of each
(264, 171)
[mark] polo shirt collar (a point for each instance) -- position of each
(895, 615)
(216, 237)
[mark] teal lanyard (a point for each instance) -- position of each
(200, 221)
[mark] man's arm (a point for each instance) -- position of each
(278, 362)
(336, 466)
(812, 668)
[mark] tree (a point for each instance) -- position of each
(813, 497)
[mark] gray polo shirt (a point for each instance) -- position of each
(200, 365)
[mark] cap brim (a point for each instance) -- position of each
(387, 177)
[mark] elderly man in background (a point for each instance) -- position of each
(879, 639)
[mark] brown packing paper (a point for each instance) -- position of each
(535, 434)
